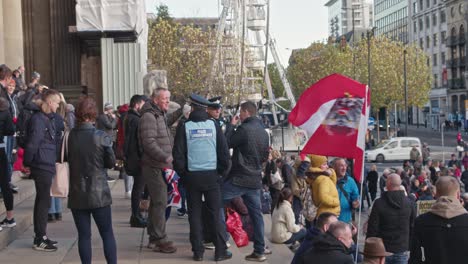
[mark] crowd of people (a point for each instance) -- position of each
(313, 201)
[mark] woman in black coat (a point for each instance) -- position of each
(90, 154)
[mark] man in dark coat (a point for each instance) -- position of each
(440, 236)
(250, 143)
(132, 155)
(392, 220)
(200, 156)
(332, 247)
(324, 220)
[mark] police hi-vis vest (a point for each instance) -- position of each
(201, 145)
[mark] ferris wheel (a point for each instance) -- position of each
(241, 56)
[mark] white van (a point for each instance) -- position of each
(397, 148)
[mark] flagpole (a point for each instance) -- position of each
(360, 211)
(367, 107)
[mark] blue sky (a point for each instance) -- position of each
(294, 23)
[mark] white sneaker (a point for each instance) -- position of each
(228, 245)
(128, 195)
(1, 229)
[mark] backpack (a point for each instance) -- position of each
(22, 126)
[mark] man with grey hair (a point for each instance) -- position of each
(391, 219)
(156, 143)
(441, 234)
(383, 180)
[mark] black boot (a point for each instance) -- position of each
(51, 218)
(58, 216)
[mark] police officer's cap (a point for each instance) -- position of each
(198, 100)
(215, 102)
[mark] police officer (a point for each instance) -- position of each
(200, 155)
(214, 111)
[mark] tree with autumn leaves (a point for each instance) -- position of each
(319, 60)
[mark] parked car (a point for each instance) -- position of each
(397, 148)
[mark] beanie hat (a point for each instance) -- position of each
(316, 160)
(108, 106)
(36, 75)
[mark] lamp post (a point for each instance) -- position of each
(406, 92)
(281, 117)
(370, 33)
(354, 54)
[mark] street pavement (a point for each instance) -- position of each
(131, 242)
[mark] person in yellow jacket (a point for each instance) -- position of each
(322, 181)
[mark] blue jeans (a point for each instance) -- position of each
(10, 143)
(299, 236)
(55, 205)
(252, 200)
(397, 258)
(103, 218)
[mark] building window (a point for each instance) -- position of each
(415, 26)
(442, 16)
(434, 60)
(435, 40)
(428, 42)
(434, 20)
(434, 2)
(428, 3)
(415, 8)
(442, 58)
(436, 81)
(428, 22)
(421, 7)
(443, 36)
(421, 25)
(421, 43)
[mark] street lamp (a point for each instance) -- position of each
(406, 92)
(354, 43)
(282, 117)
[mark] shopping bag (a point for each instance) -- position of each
(234, 227)
(61, 181)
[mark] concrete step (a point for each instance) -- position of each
(23, 210)
(131, 242)
(26, 190)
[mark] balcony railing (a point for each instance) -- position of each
(456, 84)
(452, 63)
(462, 62)
(461, 40)
(452, 41)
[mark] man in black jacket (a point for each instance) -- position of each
(332, 247)
(250, 143)
(132, 153)
(392, 220)
(200, 156)
(440, 236)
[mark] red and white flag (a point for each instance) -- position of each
(334, 112)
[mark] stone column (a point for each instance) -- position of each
(13, 29)
(2, 34)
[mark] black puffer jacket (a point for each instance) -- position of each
(250, 144)
(41, 147)
(327, 250)
(392, 219)
(131, 148)
(7, 127)
(89, 154)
